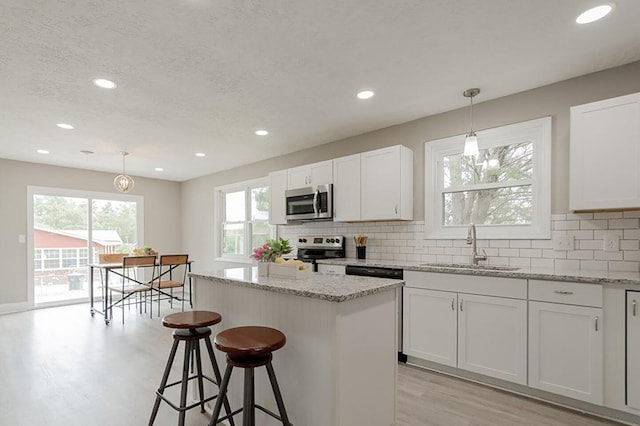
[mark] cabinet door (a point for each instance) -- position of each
(321, 173)
(633, 349)
(605, 154)
(380, 180)
(346, 188)
(429, 325)
(565, 350)
(298, 177)
(492, 336)
(277, 201)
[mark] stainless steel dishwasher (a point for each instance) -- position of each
(380, 272)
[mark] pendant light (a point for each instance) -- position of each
(123, 182)
(471, 141)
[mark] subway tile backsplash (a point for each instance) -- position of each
(405, 241)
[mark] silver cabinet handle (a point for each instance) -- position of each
(396, 209)
(461, 310)
(562, 292)
(453, 304)
(596, 323)
(634, 307)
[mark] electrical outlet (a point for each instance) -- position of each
(563, 243)
(22, 239)
(611, 242)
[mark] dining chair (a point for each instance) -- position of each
(172, 274)
(132, 282)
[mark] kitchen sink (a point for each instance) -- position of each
(470, 266)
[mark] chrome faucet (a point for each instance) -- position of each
(471, 239)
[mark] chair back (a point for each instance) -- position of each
(111, 257)
(130, 261)
(174, 259)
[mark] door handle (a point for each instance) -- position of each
(453, 304)
(596, 323)
(634, 307)
(562, 292)
(316, 195)
(461, 310)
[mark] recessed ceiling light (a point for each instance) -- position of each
(104, 83)
(262, 132)
(65, 126)
(42, 151)
(159, 169)
(365, 94)
(200, 154)
(594, 14)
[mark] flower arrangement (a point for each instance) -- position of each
(145, 251)
(271, 250)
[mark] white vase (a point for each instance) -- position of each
(263, 269)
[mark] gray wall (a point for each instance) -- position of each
(162, 214)
(553, 100)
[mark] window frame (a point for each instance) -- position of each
(538, 131)
(220, 212)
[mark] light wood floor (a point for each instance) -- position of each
(61, 367)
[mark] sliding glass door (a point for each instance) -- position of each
(69, 231)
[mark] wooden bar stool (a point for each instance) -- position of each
(248, 348)
(191, 327)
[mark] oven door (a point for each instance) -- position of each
(310, 203)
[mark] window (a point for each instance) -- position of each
(505, 191)
(244, 219)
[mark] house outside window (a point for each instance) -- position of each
(243, 219)
(505, 190)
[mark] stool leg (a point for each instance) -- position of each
(248, 406)
(277, 394)
(199, 372)
(222, 396)
(216, 374)
(163, 382)
(185, 383)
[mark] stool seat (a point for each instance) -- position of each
(249, 341)
(191, 319)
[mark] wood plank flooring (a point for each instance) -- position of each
(61, 367)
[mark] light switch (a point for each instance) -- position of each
(611, 241)
(22, 239)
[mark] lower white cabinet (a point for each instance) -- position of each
(633, 349)
(479, 333)
(566, 350)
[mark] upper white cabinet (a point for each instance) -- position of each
(386, 179)
(605, 154)
(633, 349)
(346, 188)
(566, 339)
(277, 201)
(311, 174)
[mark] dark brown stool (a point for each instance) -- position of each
(191, 327)
(248, 348)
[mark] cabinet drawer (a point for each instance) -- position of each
(566, 292)
(331, 269)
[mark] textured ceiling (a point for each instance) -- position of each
(203, 75)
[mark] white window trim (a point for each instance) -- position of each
(218, 214)
(539, 132)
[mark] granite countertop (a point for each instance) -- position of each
(333, 288)
(625, 279)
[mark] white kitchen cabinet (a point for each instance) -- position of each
(331, 269)
(387, 184)
(633, 349)
(277, 201)
(492, 336)
(430, 325)
(346, 188)
(311, 174)
(605, 154)
(566, 339)
(467, 326)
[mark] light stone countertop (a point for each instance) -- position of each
(629, 280)
(333, 288)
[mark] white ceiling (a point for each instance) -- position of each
(203, 75)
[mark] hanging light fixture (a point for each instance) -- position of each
(471, 141)
(123, 182)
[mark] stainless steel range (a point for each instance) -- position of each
(314, 247)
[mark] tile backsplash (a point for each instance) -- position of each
(405, 241)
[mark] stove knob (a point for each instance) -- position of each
(337, 240)
(327, 241)
(299, 240)
(332, 240)
(304, 240)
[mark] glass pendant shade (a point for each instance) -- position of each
(471, 145)
(123, 182)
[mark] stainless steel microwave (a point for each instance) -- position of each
(310, 203)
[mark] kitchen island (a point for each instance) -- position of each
(339, 365)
